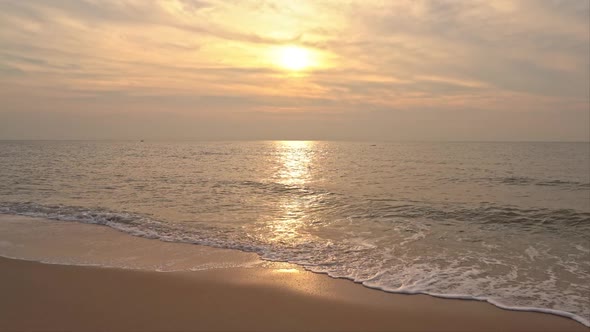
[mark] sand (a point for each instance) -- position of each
(36, 296)
(232, 291)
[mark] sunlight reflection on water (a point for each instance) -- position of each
(295, 159)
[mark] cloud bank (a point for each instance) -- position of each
(203, 69)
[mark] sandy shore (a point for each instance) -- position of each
(232, 290)
(38, 296)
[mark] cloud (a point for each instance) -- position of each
(216, 56)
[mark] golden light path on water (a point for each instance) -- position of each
(294, 161)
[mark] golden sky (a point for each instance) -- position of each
(210, 69)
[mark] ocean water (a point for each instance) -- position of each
(508, 223)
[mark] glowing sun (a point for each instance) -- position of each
(294, 58)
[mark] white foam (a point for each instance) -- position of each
(499, 304)
(582, 248)
(531, 252)
(419, 275)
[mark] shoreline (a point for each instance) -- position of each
(260, 295)
(42, 297)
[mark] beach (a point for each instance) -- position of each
(268, 165)
(264, 297)
(43, 297)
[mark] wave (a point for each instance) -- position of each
(327, 256)
(524, 180)
(483, 214)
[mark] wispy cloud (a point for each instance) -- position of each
(211, 55)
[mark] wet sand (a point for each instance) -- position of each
(44, 297)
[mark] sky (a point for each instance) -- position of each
(478, 70)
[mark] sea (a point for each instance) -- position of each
(506, 222)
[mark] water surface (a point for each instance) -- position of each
(504, 222)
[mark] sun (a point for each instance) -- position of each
(294, 58)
